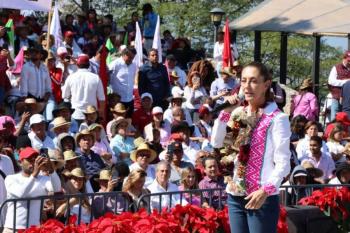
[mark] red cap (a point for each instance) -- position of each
(83, 59)
(69, 34)
(27, 153)
(203, 110)
(343, 118)
(176, 137)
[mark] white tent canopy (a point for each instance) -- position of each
(324, 17)
(35, 5)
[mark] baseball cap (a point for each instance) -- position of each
(36, 119)
(83, 59)
(69, 34)
(203, 110)
(343, 118)
(61, 51)
(176, 137)
(146, 94)
(27, 153)
(157, 110)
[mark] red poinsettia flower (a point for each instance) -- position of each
(180, 219)
(243, 155)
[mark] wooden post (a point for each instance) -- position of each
(48, 28)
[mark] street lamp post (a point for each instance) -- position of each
(216, 17)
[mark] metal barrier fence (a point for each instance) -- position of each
(215, 198)
(291, 194)
(118, 202)
(99, 204)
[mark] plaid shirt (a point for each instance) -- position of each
(208, 183)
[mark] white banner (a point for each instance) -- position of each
(157, 42)
(35, 5)
(55, 28)
(138, 59)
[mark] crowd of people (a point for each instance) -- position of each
(157, 128)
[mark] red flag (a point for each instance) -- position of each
(227, 59)
(103, 72)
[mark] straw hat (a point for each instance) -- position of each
(70, 155)
(174, 75)
(59, 122)
(95, 126)
(30, 103)
(176, 96)
(78, 172)
(229, 71)
(104, 175)
(62, 106)
(138, 141)
(143, 147)
(307, 83)
(90, 109)
(84, 132)
(119, 108)
(54, 157)
(347, 149)
(311, 170)
(116, 123)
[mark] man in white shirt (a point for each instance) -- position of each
(176, 101)
(161, 184)
(122, 78)
(84, 88)
(321, 160)
(26, 184)
(70, 43)
(6, 168)
(38, 137)
(64, 62)
(218, 50)
(35, 79)
(339, 75)
(171, 65)
(190, 147)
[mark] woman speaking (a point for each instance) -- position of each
(262, 140)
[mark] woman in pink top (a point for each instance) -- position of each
(305, 103)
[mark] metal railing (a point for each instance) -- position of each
(99, 204)
(215, 198)
(291, 194)
(118, 202)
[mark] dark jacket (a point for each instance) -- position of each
(155, 81)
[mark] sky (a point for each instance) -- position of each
(341, 42)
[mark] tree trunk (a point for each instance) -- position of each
(85, 5)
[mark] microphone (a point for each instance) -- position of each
(227, 104)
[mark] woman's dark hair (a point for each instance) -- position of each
(296, 121)
(266, 74)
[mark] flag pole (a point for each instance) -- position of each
(48, 28)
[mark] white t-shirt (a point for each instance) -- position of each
(6, 167)
(19, 186)
(83, 88)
